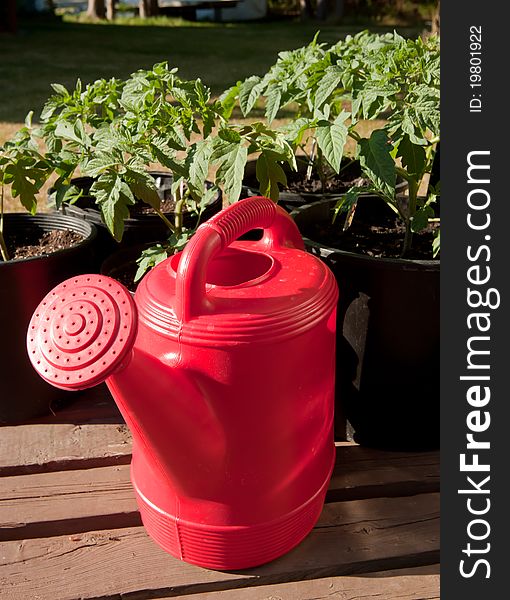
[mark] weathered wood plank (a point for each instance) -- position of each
(351, 537)
(421, 583)
(66, 502)
(362, 472)
(48, 447)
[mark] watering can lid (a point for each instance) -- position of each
(82, 331)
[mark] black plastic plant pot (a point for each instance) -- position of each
(141, 227)
(122, 265)
(387, 378)
(291, 201)
(23, 284)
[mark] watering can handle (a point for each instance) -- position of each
(218, 233)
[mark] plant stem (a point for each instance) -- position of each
(311, 159)
(411, 210)
(179, 204)
(354, 135)
(3, 245)
(165, 220)
(320, 170)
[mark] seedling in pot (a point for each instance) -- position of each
(25, 170)
(400, 79)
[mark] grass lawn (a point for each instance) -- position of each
(61, 52)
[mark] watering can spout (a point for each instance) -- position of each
(82, 332)
(175, 422)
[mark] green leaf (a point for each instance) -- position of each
(60, 89)
(228, 100)
(249, 92)
(28, 119)
(208, 123)
(436, 244)
(295, 130)
(173, 138)
(73, 133)
(113, 197)
(25, 183)
(162, 152)
(377, 163)
(327, 85)
(143, 187)
(273, 101)
(269, 174)
(198, 160)
(101, 162)
(149, 258)
(375, 97)
(331, 138)
(48, 109)
(413, 156)
(65, 193)
(349, 199)
(421, 218)
(229, 135)
(230, 172)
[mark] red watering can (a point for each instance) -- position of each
(223, 368)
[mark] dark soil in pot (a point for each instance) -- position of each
(143, 225)
(375, 231)
(387, 342)
(23, 283)
(301, 190)
(31, 244)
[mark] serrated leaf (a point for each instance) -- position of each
(249, 92)
(143, 187)
(149, 258)
(273, 101)
(295, 130)
(198, 161)
(436, 244)
(230, 172)
(24, 184)
(413, 156)
(375, 96)
(229, 135)
(114, 197)
(162, 153)
(70, 132)
(421, 217)
(269, 174)
(99, 164)
(331, 138)
(65, 193)
(60, 89)
(349, 199)
(228, 100)
(377, 163)
(208, 123)
(332, 77)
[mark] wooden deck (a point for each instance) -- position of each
(70, 528)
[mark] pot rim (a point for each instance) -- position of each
(330, 251)
(85, 228)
